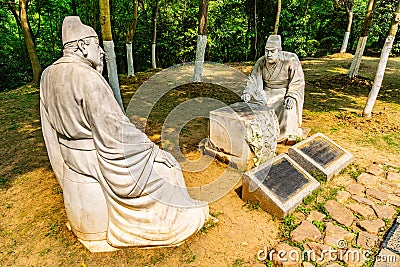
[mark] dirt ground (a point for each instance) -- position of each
(32, 215)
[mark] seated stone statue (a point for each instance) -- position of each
(277, 80)
(117, 184)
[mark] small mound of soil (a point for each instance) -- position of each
(379, 122)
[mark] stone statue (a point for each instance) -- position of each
(277, 80)
(117, 184)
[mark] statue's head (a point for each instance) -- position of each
(272, 48)
(83, 40)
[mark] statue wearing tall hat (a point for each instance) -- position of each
(277, 80)
(118, 186)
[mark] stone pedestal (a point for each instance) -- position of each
(278, 187)
(243, 134)
(321, 156)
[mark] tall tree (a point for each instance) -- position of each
(129, 39)
(153, 46)
(382, 63)
(355, 64)
(348, 4)
(201, 41)
(20, 13)
(108, 44)
(255, 31)
(278, 15)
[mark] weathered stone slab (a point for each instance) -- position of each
(354, 258)
(377, 194)
(288, 256)
(394, 200)
(335, 234)
(317, 252)
(375, 169)
(393, 177)
(384, 212)
(279, 188)
(363, 200)
(356, 189)
(305, 231)
(315, 216)
(245, 133)
(367, 179)
(387, 258)
(339, 213)
(364, 211)
(372, 226)
(321, 155)
(367, 240)
(342, 196)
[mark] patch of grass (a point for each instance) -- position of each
(44, 252)
(287, 226)
(156, 259)
(238, 263)
(252, 205)
(320, 225)
(353, 170)
(207, 225)
(54, 229)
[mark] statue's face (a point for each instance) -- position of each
(272, 55)
(95, 54)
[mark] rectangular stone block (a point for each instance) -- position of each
(278, 188)
(228, 128)
(321, 156)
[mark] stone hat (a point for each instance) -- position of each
(274, 41)
(73, 29)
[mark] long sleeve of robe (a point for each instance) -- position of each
(148, 203)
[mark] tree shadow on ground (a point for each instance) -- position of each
(338, 92)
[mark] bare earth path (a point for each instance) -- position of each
(32, 215)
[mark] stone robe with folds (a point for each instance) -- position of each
(269, 86)
(114, 183)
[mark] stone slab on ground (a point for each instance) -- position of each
(315, 216)
(288, 257)
(363, 200)
(375, 169)
(367, 179)
(364, 211)
(393, 177)
(235, 128)
(377, 194)
(339, 213)
(356, 189)
(366, 240)
(279, 188)
(342, 196)
(372, 226)
(386, 258)
(384, 212)
(321, 155)
(335, 234)
(305, 231)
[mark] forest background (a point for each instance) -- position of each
(237, 30)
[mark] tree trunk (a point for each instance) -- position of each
(108, 44)
(349, 10)
(129, 39)
(255, 30)
(22, 20)
(278, 15)
(201, 41)
(382, 63)
(153, 46)
(355, 64)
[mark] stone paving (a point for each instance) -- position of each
(354, 225)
